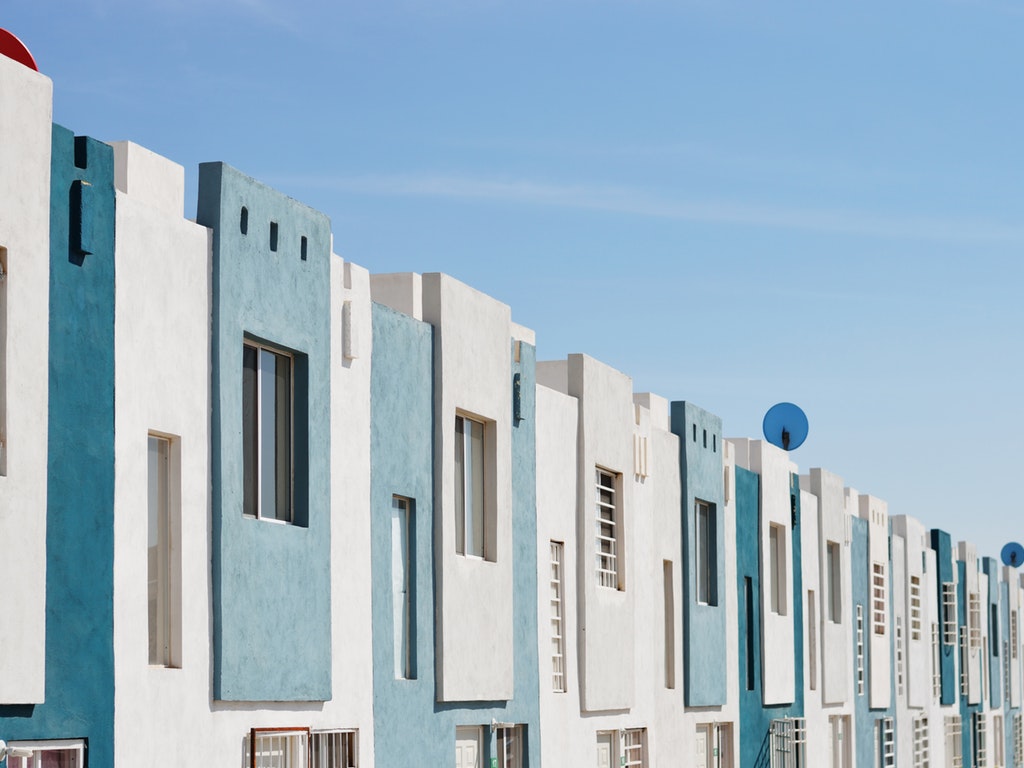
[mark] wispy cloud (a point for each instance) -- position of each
(637, 202)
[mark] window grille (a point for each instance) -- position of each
(335, 749)
(948, 613)
(1018, 739)
(787, 743)
(899, 656)
(921, 742)
(974, 610)
(277, 748)
(607, 530)
(887, 743)
(915, 608)
(1013, 635)
(963, 661)
(860, 650)
(980, 740)
(936, 663)
(557, 633)
(634, 751)
(954, 743)
(878, 598)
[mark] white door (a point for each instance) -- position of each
(604, 750)
(702, 747)
(467, 747)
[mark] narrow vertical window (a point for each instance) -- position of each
(402, 575)
(980, 740)
(899, 655)
(878, 598)
(954, 741)
(777, 568)
(705, 561)
(469, 487)
(921, 742)
(273, 235)
(915, 608)
(510, 746)
(243, 221)
(974, 619)
(607, 529)
(303, 247)
(669, 613)
(834, 577)
(860, 650)
(948, 613)
(557, 619)
(812, 644)
(936, 663)
(748, 599)
(267, 410)
(163, 553)
(634, 748)
(1013, 634)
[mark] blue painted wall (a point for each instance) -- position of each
(271, 582)
(80, 475)
(700, 468)
(755, 718)
(401, 461)
(947, 658)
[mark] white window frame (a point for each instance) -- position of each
(558, 671)
(936, 663)
(998, 742)
(921, 746)
(949, 620)
(706, 554)
(608, 524)
(777, 570)
(915, 608)
(508, 740)
(878, 598)
(286, 747)
(1018, 738)
(74, 748)
(860, 650)
(472, 476)
(980, 740)
(974, 620)
(1013, 634)
(885, 743)
(963, 661)
(787, 745)
(334, 748)
(634, 748)
(834, 577)
(403, 614)
(278, 461)
(163, 521)
(899, 656)
(954, 741)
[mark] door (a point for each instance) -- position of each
(605, 750)
(702, 747)
(467, 747)
(723, 743)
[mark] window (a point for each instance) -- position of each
(963, 661)
(748, 601)
(402, 575)
(277, 748)
(1018, 739)
(954, 744)
(3, 361)
(812, 640)
(899, 656)
(634, 747)
(557, 619)
(777, 571)
(787, 743)
(948, 613)
(915, 608)
(885, 743)
(49, 754)
(267, 417)
(974, 619)
(998, 743)
(834, 577)
(1013, 634)
(335, 749)
(510, 746)
(993, 628)
(669, 614)
(706, 560)
(273, 235)
(243, 221)
(921, 742)
(936, 663)
(470, 480)
(608, 516)
(860, 650)
(980, 740)
(163, 553)
(878, 598)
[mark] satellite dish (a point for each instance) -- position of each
(1012, 554)
(13, 48)
(785, 425)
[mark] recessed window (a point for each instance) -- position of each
(243, 221)
(915, 608)
(510, 746)
(706, 560)
(974, 620)
(303, 247)
(277, 747)
(812, 640)
(949, 613)
(860, 650)
(834, 577)
(267, 431)
(273, 235)
(333, 749)
(669, 614)
(777, 569)
(402, 575)
(470, 487)
(608, 518)
(878, 598)
(164, 553)
(557, 618)
(695, 433)
(634, 748)
(65, 753)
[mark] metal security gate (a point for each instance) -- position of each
(786, 739)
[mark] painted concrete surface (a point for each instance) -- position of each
(25, 114)
(265, 574)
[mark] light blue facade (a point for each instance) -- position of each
(410, 726)
(755, 717)
(704, 633)
(80, 476)
(271, 581)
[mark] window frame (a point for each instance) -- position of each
(404, 632)
(834, 577)
(633, 745)
(777, 570)
(255, 484)
(879, 598)
(706, 555)
(557, 598)
(508, 743)
(287, 735)
(164, 625)
(479, 513)
(608, 560)
(347, 746)
(38, 746)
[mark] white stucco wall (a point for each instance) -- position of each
(967, 552)
(879, 648)
(917, 649)
(472, 377)
(25, 128)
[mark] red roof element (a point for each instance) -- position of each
(13, 48)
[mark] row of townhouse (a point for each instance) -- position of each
(259, 507)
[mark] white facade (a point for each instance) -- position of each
(25, 125)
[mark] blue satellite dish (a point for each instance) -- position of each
(1012, 554)
(785, 425)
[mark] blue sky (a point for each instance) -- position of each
(736, 203)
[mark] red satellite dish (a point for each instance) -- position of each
(13, 48)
